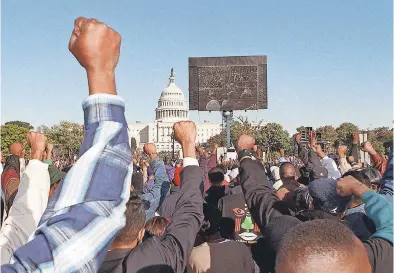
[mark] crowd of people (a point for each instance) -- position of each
(114, 211)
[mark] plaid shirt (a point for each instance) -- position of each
(88, 207)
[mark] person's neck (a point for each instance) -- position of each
(116, 246)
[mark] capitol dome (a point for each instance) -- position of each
(172, 105)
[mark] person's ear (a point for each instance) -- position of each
(141, 234)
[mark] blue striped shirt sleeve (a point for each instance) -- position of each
(88, 207)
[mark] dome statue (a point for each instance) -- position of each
(172, 105)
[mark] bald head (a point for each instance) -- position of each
(287, 172)
(321, 246)
(17, 149)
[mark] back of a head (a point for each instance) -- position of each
(135, 221)
(321, 246)
(156, 226)
(287, 172)
(216, 175)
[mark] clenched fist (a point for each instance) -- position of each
(150, 150)
(245, 142)
(95, 45)
(36, 141)
(367, 147)
(185, 134)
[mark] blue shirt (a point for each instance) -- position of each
(88, 207)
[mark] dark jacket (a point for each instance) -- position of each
(113, 259)
(265, 207)
(170, 253)
(236, 222)
(214, 194)
(167, 209)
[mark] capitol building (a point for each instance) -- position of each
(171, 107)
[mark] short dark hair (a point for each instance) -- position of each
(216, 175)
(135, 221)
(284, 170)
(316, 239)
(157, 226)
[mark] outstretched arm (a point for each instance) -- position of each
(88, 207)
(29, 203)
(160, 176)
(263, 203)
(171, 253)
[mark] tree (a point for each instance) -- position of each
(237, 128)
(20, 124)
(328, 133)
(381, 138)
(67, 136)
(13, 132)
(345, 131)
(273, 137)
(133, 144)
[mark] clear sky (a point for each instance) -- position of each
(328, 61)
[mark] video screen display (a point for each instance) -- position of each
(228, 83)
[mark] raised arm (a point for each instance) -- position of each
(88, 207)
(160, 176)
(380, 245)
(379, 162)
(263, 203)
(29, 203)
(171, 253)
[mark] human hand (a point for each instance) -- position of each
(341, 151)
(200, 150)
(312, 138)
(245, 142)
(36, 141)
(150, 150)
(367, 147)
(298, 138)
(355, 138)
(255, 148)
(185, 133)
(96, 47)
(349, 185)
(214, 148)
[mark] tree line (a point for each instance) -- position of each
(68, 136)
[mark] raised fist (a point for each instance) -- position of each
(367, 147)
(95, 45)
(185, 132)
(36, 141)
(200, 150)
(245, 142)
(214, 148)
(150, 149)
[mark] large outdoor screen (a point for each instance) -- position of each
(228, 83)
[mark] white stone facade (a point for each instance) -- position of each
(172, 107)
